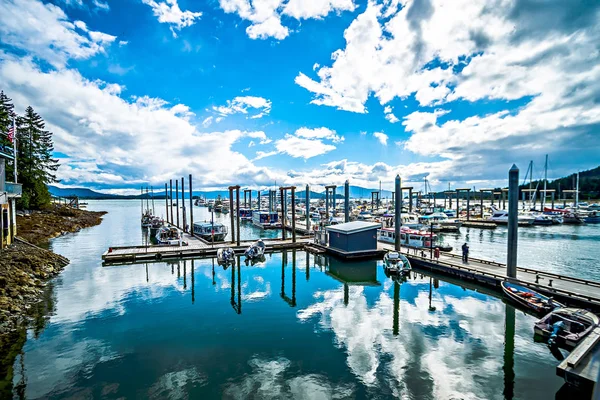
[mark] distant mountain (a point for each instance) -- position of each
(84, 193)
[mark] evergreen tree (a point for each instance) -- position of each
(36, 166)
(7, 114)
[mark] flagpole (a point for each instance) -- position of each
(15, 147)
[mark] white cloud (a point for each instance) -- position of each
(319, 133)
(265, 15)
(304, 143)
(112, 141)
(298, 147)
(44, 31)
(168, 12)
(382, 137)
(207, 122)
(438, 55)
(123, 43)
(245, 105)
(389, 115)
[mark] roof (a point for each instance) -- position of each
(353, 227)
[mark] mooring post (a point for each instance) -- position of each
(270, 201)
(333, 193)
(283, 212)
(171, 200)
(504, 199)
(237, 213)
(468, 205)
(177, 199)
(513, 210)
(327, 203)
(167, 202)
(481, 203)
(552, 194)
(347, 201)
(457, 203)
(191, 230)
(307, 194)
(294, 217)
(409, 200)
(258, 205)
(183, 216)
(231, 214)
(398, 207)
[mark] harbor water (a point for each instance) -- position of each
(295, 326)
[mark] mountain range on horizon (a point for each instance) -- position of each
(589, 186)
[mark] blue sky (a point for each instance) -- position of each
(290, 91)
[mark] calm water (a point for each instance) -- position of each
(296, 326)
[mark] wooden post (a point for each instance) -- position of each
(481, 203)
(171, 200)
(183, 216)
(281, 195)
(468, 205)
(307, 209)
(513, 209)
(231, 214)
(398, 207)
(167, 202)
(409, 201)
(191, 209)
(177, 199)
(237, 212)
(294, 215)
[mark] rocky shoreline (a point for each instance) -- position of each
(25, 271)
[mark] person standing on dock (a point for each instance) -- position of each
(465, 253)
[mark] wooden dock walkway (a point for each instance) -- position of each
(196, 247)
(571, 290)
(581, 368)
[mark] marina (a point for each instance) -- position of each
(370, 238)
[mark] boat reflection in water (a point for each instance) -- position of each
(296, 325)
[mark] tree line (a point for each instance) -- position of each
(36, 167)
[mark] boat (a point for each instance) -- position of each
(531, 299)
(396, 263)
(592, 218)
(146, 220)
(566, 327)
(500, 217)
(156, 223)
(245, 214)
(573, 219)
(225, 256)
(543, 219)
(441, 222)
(256, 250)
(208, 230)
(413, 238)
(169, 236)
(266, 219)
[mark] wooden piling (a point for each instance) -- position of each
(183, 216)
(171, 199)
(283, 212)
(167, 203)
(177, 199)
(191, 208)
(231, 214)
(237, 212)
(293, 215)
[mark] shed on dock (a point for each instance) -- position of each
(351, 237)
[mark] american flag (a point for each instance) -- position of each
(11, 134)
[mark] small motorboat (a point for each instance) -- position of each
(256, 250)
(529, 298)
(225, 256)
(566, 327)
(169, 236)
(396, 263)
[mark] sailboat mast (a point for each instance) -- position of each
(545, 182)
(152, 189)
(577, 191)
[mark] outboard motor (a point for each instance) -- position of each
(556, 328)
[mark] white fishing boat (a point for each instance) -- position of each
(266, 219)
(208, 230)
(396, 263)
(169, 236)
(413, 238)
(256, 250)
(245, 214)
(500, 217)
(440, 222)
(226, 256)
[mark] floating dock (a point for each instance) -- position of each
(581, 368)
(196, 247)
